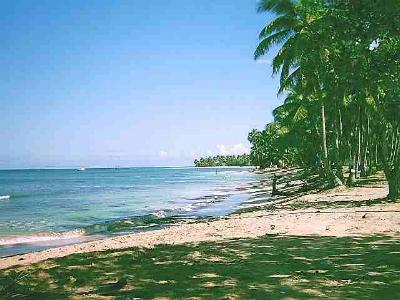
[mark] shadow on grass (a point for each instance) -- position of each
(371, 180)
(346, 203)
(272, 266)
(313, 184)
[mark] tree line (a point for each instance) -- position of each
(339, 68)
(223, 160)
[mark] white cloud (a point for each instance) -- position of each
(163, 154)
(233, 149)
(264, 61)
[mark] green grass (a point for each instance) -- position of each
(267, 268)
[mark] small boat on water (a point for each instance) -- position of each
(81, 169)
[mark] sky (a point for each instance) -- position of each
(129, 83)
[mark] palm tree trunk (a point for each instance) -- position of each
(339, 146)
(358, 154)
(352, 158)
(327, 168)
(394, 183)
(365, 165)
(324, 146)
(392, 171)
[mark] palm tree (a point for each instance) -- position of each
(336, 59)
(297, 30)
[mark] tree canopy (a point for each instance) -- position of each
(339, 67)
(223, 160)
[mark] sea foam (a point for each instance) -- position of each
(41, 237)
(5, 197)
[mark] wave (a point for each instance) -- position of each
(149, 221)
(119, 226)
(40, 237)
(5, 197)
(156, 219)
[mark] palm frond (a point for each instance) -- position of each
(285, 56)
(287, 65)
(299, 114)
(291, 80)
(281, 23)
(271, 40)
(290, 113)
(276, 6)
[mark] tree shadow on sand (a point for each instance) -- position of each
(272, 266)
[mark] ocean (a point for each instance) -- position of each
(45, 208)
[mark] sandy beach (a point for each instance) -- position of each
(322, 214)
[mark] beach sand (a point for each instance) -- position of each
(338, 212)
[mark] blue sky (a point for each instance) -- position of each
(129, 83)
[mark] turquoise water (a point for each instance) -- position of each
(38, 206)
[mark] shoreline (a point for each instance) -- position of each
(43, 240)
(306, 215)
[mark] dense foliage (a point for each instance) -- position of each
(339, 66)
(223, 160)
